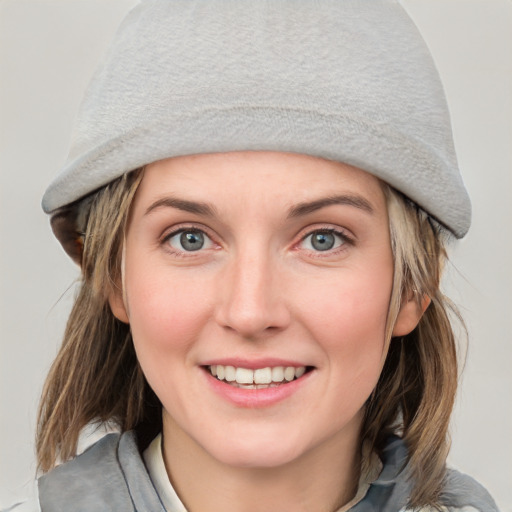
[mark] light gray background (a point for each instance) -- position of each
(49, 48)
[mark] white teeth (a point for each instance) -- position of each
(259, 378)
(277, 374)
(289, 373)
(263, 376)
(244, 376)
(229, 373)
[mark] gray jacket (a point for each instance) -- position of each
(111, 476)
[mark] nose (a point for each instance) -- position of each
(252, 297)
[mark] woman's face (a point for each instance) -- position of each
(257, 286)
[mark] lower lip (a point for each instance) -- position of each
(256, 398)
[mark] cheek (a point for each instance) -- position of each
(166, 315)
(349, 322)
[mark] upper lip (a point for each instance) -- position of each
(253, 364)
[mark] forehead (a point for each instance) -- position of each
(265, 176)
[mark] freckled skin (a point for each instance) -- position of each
(259, 289)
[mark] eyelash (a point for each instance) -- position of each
(342, 235)
(184, 229)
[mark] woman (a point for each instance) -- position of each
(258, 290)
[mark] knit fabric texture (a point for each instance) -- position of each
(345, 80)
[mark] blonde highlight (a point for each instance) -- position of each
(95, 376)
(416, 391)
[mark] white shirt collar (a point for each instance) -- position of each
(154, 460)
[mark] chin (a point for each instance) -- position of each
(255, 455)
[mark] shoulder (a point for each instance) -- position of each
(443, 509)
(447, 509)
(84, 471)
(84, 479)
(460, 493)
(463, 493)
(108, 476)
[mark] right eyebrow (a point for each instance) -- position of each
(354, 200)
(185, 205)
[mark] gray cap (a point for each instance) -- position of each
(346, 80)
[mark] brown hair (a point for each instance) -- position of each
(96, 376)
(416, 389)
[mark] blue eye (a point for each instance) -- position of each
(323, 240)
(189, 240)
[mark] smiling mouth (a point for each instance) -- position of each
(261, 378)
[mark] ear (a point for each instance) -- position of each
(117, 305)
(410, 314)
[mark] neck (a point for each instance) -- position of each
(320, 480)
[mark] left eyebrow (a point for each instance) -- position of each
(346, 200)
(198, 208)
